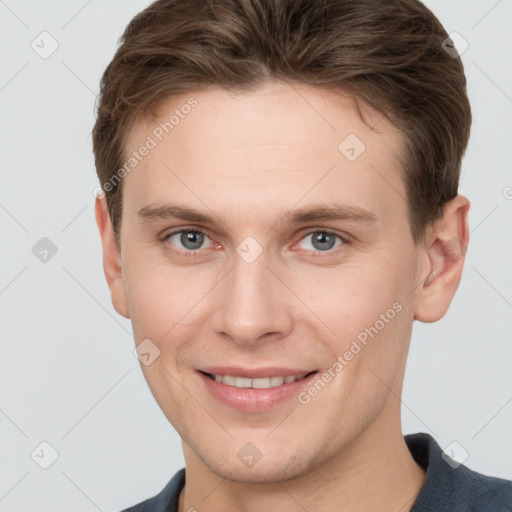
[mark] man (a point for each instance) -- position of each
(280, 204)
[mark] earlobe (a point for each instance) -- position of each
(446, 245)
(111, 257)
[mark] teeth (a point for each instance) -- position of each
(260, 383)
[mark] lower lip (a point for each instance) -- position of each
(254, 399)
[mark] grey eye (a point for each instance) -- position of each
(189, 240)
(321, 240)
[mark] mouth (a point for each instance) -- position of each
(255, 391)
(259, 382)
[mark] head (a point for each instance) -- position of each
(280, 189)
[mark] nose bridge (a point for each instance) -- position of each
(253, 301)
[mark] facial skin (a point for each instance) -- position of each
(250, 159)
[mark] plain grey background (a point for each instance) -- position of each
(68, 374)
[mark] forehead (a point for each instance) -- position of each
(280, 143)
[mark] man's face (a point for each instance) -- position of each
(258, 290)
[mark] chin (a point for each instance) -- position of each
(269, 471)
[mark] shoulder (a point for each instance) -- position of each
(482, 492)
(450, 486)
(166, 500)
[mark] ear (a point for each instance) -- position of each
(111, 257)
(445, 252)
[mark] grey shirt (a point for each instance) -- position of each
(448, 487)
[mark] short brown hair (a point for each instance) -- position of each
(387, 53)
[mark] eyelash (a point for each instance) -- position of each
(197, 253)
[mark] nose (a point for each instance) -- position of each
(253, 303)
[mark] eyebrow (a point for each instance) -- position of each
(311, 213)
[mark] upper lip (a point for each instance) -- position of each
(254, 373)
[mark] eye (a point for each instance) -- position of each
(189, 239)
(322, 240)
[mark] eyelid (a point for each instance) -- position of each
(342, 235)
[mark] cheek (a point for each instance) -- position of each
(351, 298)
(163, 300)
(368, 314)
